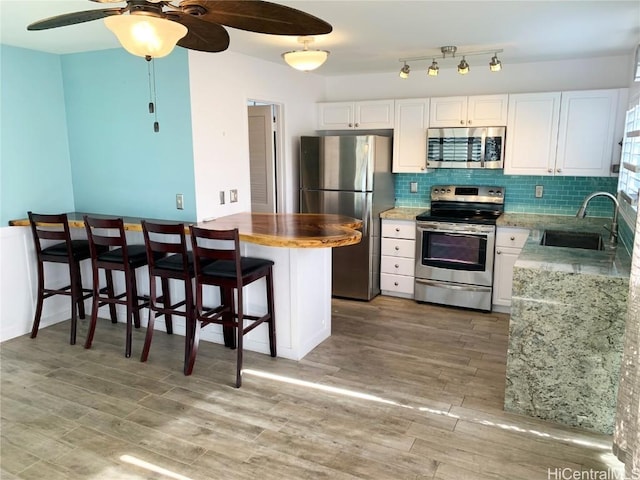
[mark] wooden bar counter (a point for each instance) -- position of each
(299, 244)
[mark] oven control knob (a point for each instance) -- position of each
(448, 190)
(491, 192)
(499, 193)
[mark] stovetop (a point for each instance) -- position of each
(465, 204)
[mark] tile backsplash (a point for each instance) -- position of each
(561, 195)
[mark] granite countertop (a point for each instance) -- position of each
(403, 213)
(614, 262)
(611, 262)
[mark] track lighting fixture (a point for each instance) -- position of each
(404, 71)
(433, 69)
(463, 67)
(450, 51)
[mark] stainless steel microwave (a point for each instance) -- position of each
(474, 147)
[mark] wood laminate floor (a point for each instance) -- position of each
(400, 391)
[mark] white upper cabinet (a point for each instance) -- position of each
(364, 115)
(474, 111)
(410, 135)
(532, 133)
(585, 135)
(568, 133)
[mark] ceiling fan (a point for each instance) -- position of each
(203, 19)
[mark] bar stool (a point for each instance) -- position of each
(228, 271)
(168, 258)
(119, 257)
(72, 252)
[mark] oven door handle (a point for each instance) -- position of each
(466, 288)
(456, 233)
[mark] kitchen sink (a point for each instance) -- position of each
(559, 238)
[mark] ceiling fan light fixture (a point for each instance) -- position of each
(495, 65)
(433, 69)
(305, 60)
(404, 71)
(146, 35)
(463, 67)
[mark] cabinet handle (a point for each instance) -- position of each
(397, 248)
(461, 122)
(559, 170)
(423, 168)
(357, 124)
(550, 170)
(395, 283)
(469, 122)
(397, 229)
(513, 238)
(350, 125)
(498, 252)
(397, 266)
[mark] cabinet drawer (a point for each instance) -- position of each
(397, 265)
(399, 229)
(398, 247)
(511, 237)
(396, 283)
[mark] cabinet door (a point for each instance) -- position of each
(448, 112)
(487, 110)
(503, 275)
(374, 114)
(335, 116)
(585, 134)
(410, 135)
(532, 133)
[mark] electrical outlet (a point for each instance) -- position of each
(179, 201)
(539, 191)
(413, 187)
(221, 197)
(233, 196)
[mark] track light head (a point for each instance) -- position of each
(463, 67)
(495, 65)
(404, 71)
(433, 69)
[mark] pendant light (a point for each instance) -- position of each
(433, 69)
(495, 65)
(449, 52)
(463, 67)
(404, 71)
(305, 60)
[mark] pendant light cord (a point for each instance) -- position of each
(153, 104)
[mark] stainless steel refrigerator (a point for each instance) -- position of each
(350, 175)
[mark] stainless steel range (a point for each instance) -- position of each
(455, 246)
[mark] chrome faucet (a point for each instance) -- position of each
(582, 212)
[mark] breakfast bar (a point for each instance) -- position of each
(300, 245)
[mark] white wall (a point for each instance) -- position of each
(584, 74)
(221, 85)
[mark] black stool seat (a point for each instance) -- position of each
(136, 254)
(46, 227)
(227, 268)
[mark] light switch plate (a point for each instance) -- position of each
(539, 191)
(179, 201)
(221, 197)
(413, 187)
(233, 195)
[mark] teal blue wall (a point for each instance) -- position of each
(119, 164)
(562, 195)
(35, 170)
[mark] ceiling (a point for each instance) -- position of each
(369, 36)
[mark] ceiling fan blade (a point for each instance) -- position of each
(202, 35)
(259, 16)
(73, 18)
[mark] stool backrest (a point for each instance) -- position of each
(106, 232)
(162, 239)
(227, 247)
(50, 227)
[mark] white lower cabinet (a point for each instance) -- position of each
(397, 263)
(509, 243)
